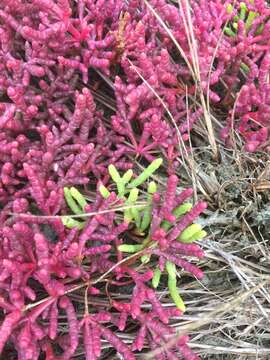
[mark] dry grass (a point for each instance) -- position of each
(237, 258)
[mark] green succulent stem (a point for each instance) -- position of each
(104, 191)
(244, 15)
(172, 286)
(78, 197)
(147, 214)
(130, 248)
(189, 234)
(71, 202)
(132, 213)
(149, 171)
(177, 212)
(228, 31)
(156, 278)
(243, 11)
(71, 223)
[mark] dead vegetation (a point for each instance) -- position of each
(228, 312)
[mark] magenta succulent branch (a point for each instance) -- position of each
(88, 87)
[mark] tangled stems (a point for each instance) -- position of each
(146, 221)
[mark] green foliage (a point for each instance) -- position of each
(147, 173)
(172, 286)
(146, 218)
(126, 190)
(132, 213)
(72, 203)
(130, 190)
(248, 17)
(76, 203)
(243, 14)
(192, 233)
(178, 212)
(130, 248)
(142, 219)
(70, 223)
(118, 180)
(156, 278)
(104, 191)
